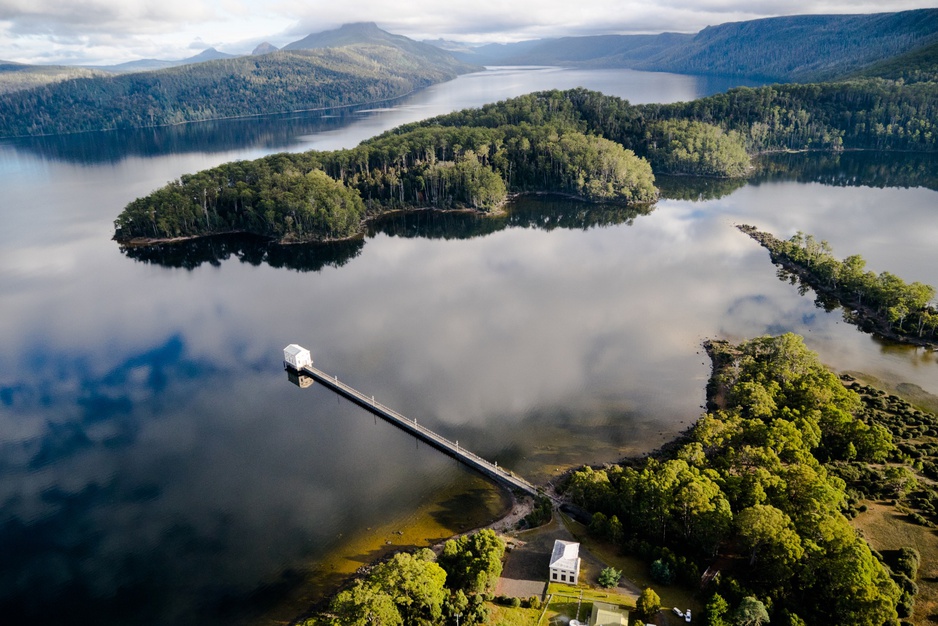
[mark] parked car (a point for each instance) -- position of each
(687, 616)
(678, 612)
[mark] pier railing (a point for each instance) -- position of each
(487, 468)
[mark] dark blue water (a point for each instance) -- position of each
(157, 465)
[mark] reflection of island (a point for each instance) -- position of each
(851, 169)
(192, 253)
(697, 188)
(844, 169)
(544, 212)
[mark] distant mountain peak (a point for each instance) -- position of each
(345, 35)
(265, 48)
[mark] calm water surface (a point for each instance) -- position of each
(158, 467)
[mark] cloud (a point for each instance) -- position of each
(117, 30)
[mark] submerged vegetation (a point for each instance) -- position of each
(881, 303)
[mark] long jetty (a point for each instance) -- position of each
(490, 470)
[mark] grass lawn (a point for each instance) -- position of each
(635, 570)
(566, 599)
(885, 529)
(506, 616)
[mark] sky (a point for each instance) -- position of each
(74, 32)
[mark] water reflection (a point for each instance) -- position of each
(273, 132)
(540, 212)
(851, 169)
(247, 249)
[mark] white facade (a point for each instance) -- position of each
(565, 562)
(296, 356)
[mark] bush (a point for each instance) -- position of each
(661, 572)
(609, 577)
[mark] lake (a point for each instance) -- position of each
(159, 467)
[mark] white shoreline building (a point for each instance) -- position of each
(565, 562)
(297, 357)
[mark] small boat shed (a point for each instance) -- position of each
(297, 357)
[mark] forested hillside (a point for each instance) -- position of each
(17, 76)
(800, 48)
(794, 48)
(749, 493)
(920, 65)
(253, 85)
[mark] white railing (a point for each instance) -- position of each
(411, 424)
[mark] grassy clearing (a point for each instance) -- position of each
(506, 616)
(885, 529)
(634, 569)
(568, 601)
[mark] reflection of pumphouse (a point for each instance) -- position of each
(300, 380)
(565, 562)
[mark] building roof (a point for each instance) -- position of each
(294, 349)
(608, 615)
(566, 555)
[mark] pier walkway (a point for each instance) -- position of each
(490, 470)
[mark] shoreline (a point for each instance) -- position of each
(499, 210)
(854, 312)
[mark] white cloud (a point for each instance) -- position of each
(119, 30)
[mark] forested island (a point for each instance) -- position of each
(321, 196)
(575, 142)
(880, 303)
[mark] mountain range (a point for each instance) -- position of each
(369, 66)
(786, 49)
(360, 63)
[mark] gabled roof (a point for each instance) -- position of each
(294, 349)
(566, 555)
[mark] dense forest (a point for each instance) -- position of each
(828, 47)
(860, 114)
(577, 142)
(250, 85)
(881, 303)
(17, 76)
(748, 493)
(318, 196)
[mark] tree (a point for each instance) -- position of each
(648, 604)
(473, 562)
(609, 577)
(770, 537)
(750, 612)
(416, 583)
(661, 572)
(365, 604)
(716, 610)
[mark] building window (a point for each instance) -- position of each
(553, 575)
(563, 578)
